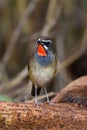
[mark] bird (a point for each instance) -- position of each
(42, 66)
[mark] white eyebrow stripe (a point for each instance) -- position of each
(46, 40)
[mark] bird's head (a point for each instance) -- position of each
(45, 46)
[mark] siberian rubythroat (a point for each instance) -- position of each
(42, 66)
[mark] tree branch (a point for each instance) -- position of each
(43, 117)
(78, 86)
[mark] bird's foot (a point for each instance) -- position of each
(51, 103)
(36, 103)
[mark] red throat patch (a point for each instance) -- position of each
(41, 51)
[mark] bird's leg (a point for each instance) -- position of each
(47, 96)
(36, 101)
(48, 101)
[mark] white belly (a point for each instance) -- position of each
(41, 75)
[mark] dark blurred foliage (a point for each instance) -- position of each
(67, 34)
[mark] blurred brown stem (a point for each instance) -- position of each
(52, 15)
(76, 55)
(16, 34)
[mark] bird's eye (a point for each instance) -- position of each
(49, 42)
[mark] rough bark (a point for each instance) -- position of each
(43, 117)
